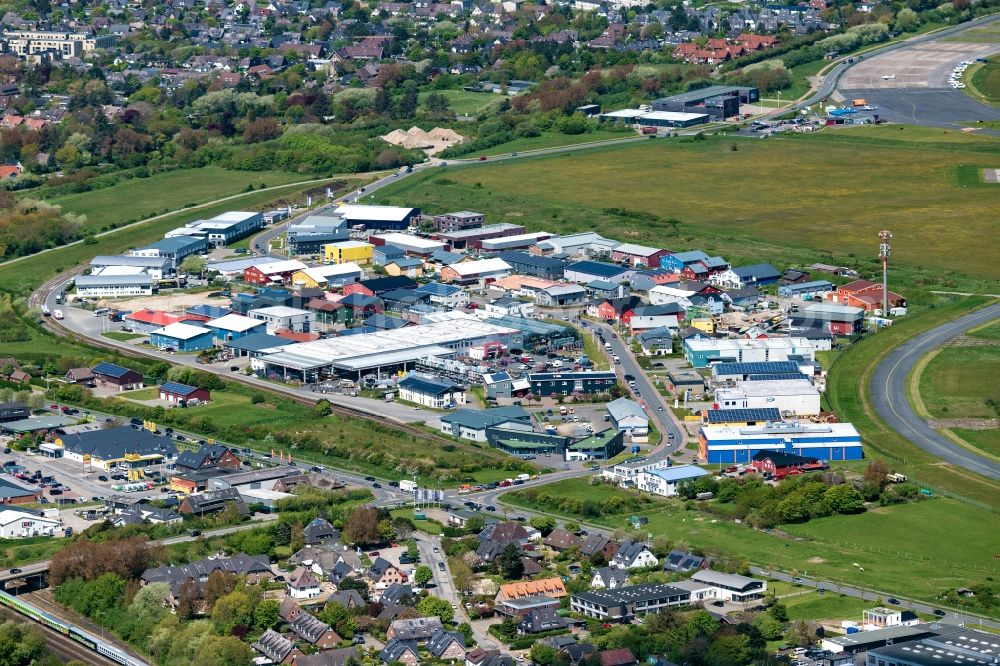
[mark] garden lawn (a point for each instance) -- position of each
(426, 526)
(807, 604)
(149, 393)
(958, 380)
(909, 187)
(144, 197)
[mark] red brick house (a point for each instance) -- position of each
(618, 309)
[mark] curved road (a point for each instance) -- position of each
(890, 393)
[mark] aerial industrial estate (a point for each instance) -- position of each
(572, 334)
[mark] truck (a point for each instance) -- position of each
(57, 314)
(896, 478)
(407, 486)
(522, 477)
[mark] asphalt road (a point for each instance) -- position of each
(890, 393)
(950, 617)
(830, 81)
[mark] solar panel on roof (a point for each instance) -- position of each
(744, 415)
(756, 368)
(775, 376)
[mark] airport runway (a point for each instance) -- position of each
(910, 84)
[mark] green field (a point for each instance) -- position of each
(987, 441)
(164, 192)
(987, 34)
(814, 196)
(958, 380)
(982, 81)
(21, 276)
(852, 369)
(891, 544)
(466, 103)
(554, 140)
(122, 336)
(988, 332)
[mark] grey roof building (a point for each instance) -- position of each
(336, 657)
(550, 268)
(441, 641)
(112, 443)
(318, 531)
(273, 645)
(417, 629)
(624, 603)
(396, 650)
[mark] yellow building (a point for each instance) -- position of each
(706, 325)
(406, 266)
(345, 251)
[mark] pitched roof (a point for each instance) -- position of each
(619, 657)
(562, 539)
(395, 649)
(273, 645)
(308, 628)
(442, 640)
(111, 370)
(552, 587)
(302, 578)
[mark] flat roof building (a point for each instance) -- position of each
(718, 102)
(473, 238)
(182, 337)
(413, 245)
(111, 285)
(378, 217)
(222, 229)
(701, 352)
(175, 249)
(739, 444)
(623, 604)
(792, 397)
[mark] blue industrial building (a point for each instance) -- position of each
(726, 444)
(182, 337)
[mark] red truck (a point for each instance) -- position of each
(646, 129)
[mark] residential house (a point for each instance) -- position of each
(542, 619)
(81, 376)
(609, 578)
(338, 657)
(213, 501)
(680, 561)
(618, 657)
(303, 584)
(431, 392)
(656, 342)
(447, 646)
(561, 539)
(417, 630)
(404, 652)
(319, 530)
(598, 543)
(553, 588)
(314, 632)
(633, 555)
(209, 456)
(383, 574)
(746, 276)
(274, 646)
(109, 375)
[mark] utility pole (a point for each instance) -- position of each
(883, 252)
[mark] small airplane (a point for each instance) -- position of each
(888, 77)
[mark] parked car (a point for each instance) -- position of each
(102, 478)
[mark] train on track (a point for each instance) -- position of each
(79, 635)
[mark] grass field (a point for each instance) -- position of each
(554, 140)
(21, 276)
(987, 34)
(988, 332)
(982, 81)
(466, 103)
(987, 441)
(122, 336)
(425, 526)
(865, 181)
(164, 192)
(890, 543)
(852, 369)
(958, 380)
